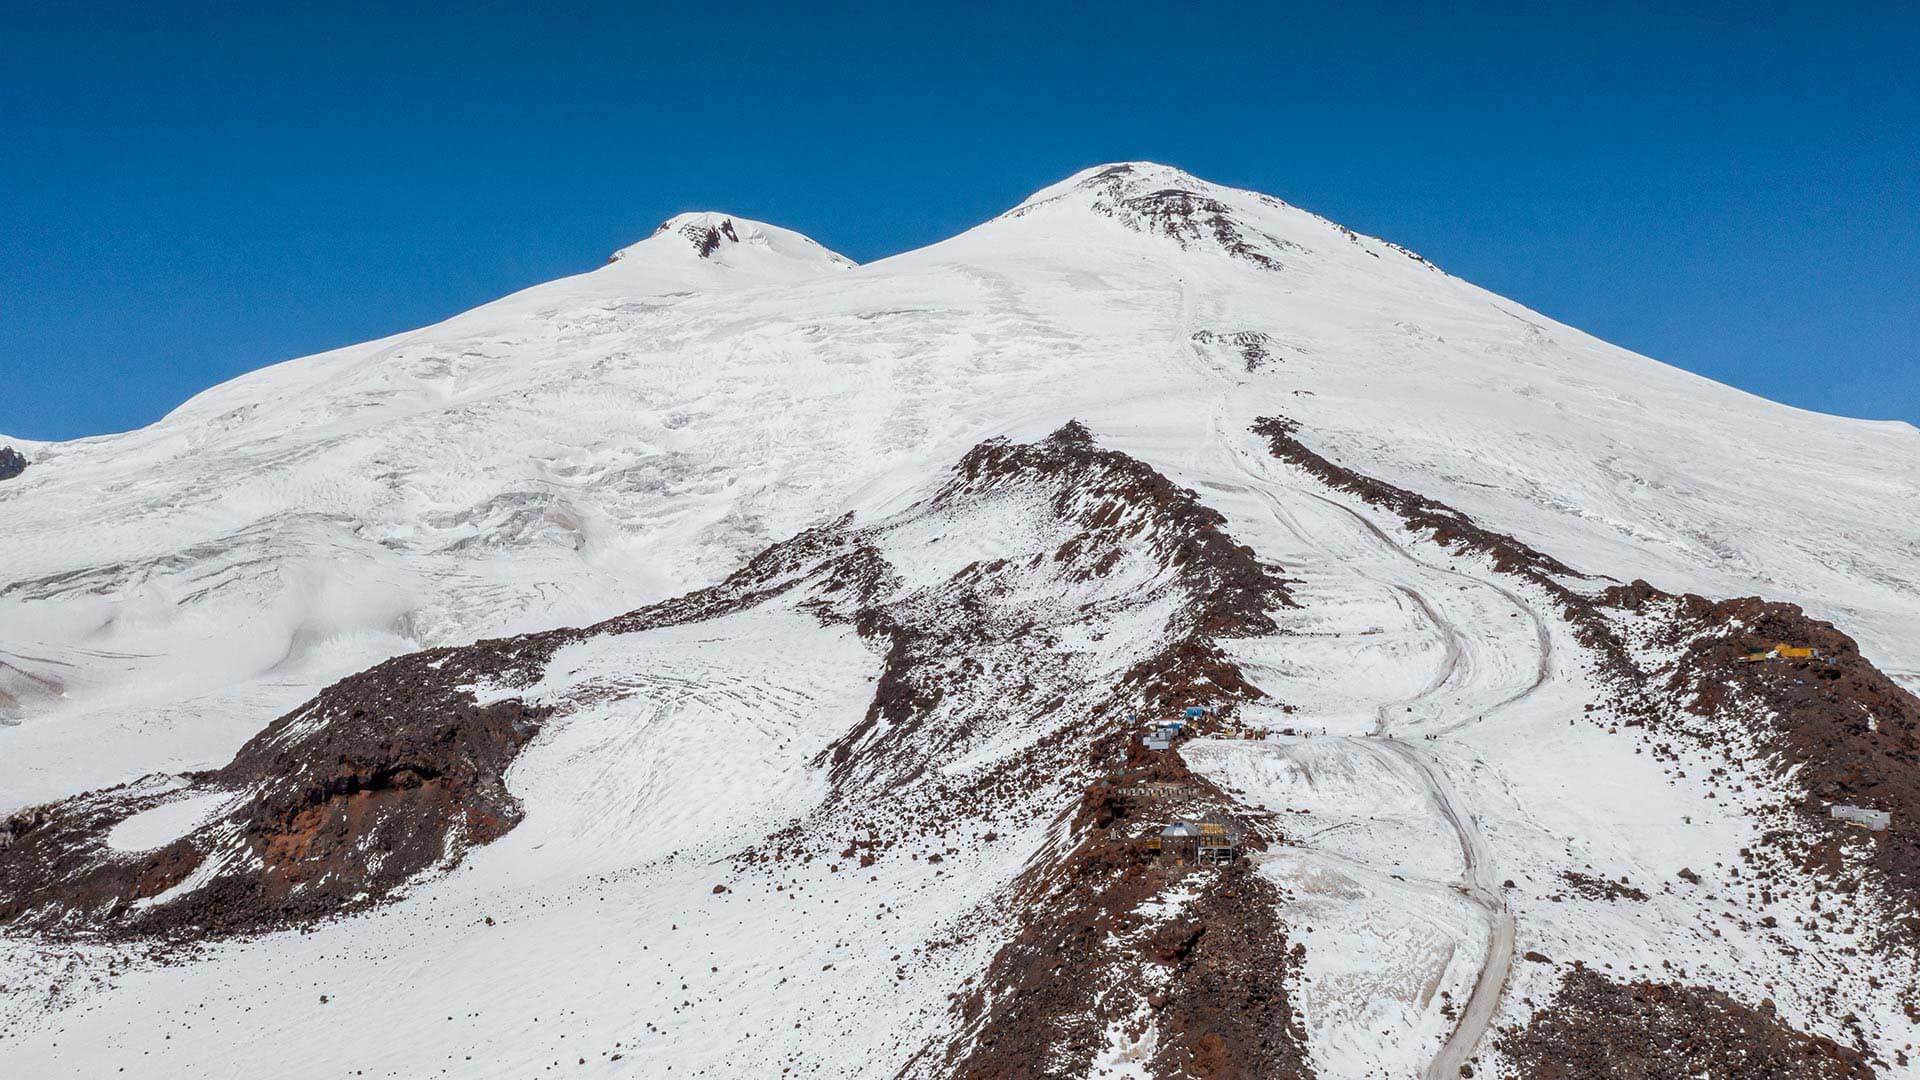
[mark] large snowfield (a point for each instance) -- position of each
(592, 445)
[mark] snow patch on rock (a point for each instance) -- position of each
(167, 822)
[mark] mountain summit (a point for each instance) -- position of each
(766, 250)
(1123, 178)
(1158, 632)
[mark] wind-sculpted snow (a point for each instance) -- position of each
(1024, 610)
(338, 805)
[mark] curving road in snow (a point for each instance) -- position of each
(1487, 647)
(1472, 676)
(1477, 882)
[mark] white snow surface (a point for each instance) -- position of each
(165, 823)
(587, 446)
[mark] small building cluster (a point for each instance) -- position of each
(1876, 820)
(1781, 651)
(1158, 790)
(1163, 735)
(1210, 840)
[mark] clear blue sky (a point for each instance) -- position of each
(191, 191)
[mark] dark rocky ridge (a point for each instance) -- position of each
(1449, 527)
(1222, 969)
(382, 776)
(965, 638)
(1848, 733)
(1599, 1029)
(12, 463)
(1224, 965)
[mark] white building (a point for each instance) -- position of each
(1877, 820)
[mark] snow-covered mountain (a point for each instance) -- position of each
(824, 607)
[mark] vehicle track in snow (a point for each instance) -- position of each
(1452, 642)
(1457, 668)
(1543, 669)
(1477, 883)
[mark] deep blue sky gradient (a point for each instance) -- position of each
(190, 191)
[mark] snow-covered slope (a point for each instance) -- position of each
(603, 443)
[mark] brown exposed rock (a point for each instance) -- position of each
(384, 775)
(1598, 888)
(706, 239)
(1844, 731)
(1251, 345)
(1222, 1004)
(1189, 218)
(1598, 1029)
